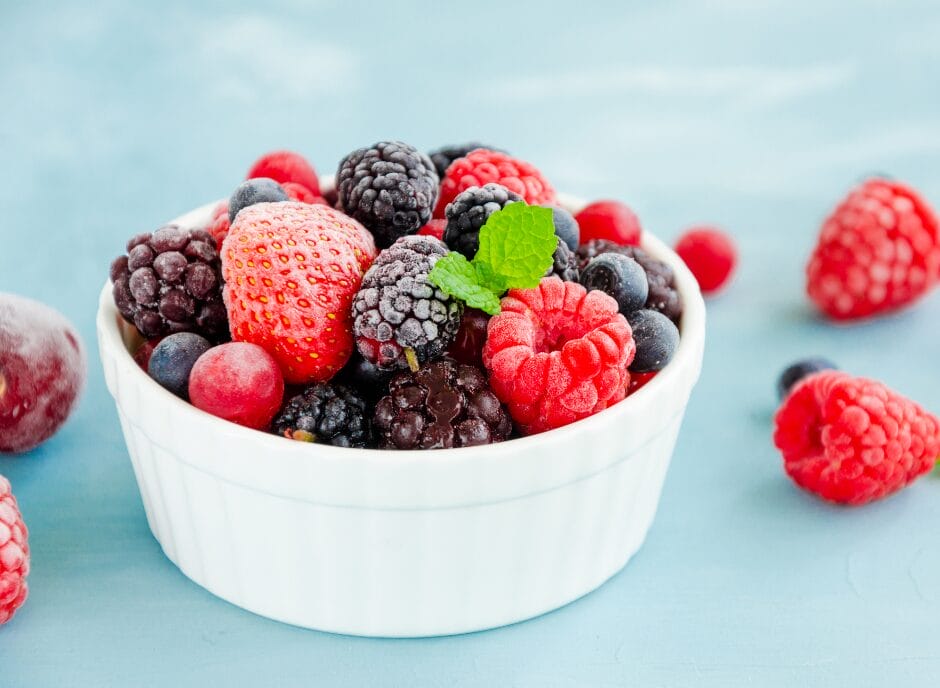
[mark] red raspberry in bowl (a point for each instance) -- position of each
(610, 220)
(286, 166)
(239, 382)
(291, 271)
(42, 371)
(879, 251)
(14, 554)
(852, 440)
(482, 166)
(558, 353)
(299, 192)
(219, 224)
(711, 256)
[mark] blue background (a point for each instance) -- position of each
(754, 115)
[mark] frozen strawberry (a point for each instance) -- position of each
(291, 271)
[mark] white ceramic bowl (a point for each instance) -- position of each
(406, 543)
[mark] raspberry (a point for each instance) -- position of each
(558, 353)
(484, 166)
(291, 271)
(611, 220)
(434, 228)
(14, 554)
(468, 344)
(564, 263)
(239, 382)
(469, 211)
(639, 380)
(391, 188)
(218, 226)
(711, 256)
(143, 352)
(443, 157)
(328, 414)
(879, 251)
(170, 281)
(398, 313)
(299, 192)
(852, 440)
(444, 404)
(286, 166)
(42, 372)
(663, 295)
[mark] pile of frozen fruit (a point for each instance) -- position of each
(428, 301)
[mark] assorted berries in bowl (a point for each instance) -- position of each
(386, 402)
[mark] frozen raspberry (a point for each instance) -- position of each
(639, 380)
(795, 372)
(239, 382)
(219, 224)
(565, 264)
(879, 251)
(444, 404)
(391, 188)
(143, 352)
(469, 211)
(566, 227)
(468, 344)
(663, 295)
(852, 440)
(173, 359)
(610, 220)
(558, 353)
(710, 255)
(327, 414)
(443, 157)
(483, 166)
(169, 281)
(42, 371)
(434, 228)
(657, 339)
(14, 554)
(286, 166)
(399, 314)
(252, 191)
(291, 271)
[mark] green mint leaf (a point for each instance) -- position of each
(456, 276)
(489, 278)
(517, 243)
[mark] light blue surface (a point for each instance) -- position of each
(755, 115)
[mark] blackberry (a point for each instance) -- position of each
(663, 295)
(469, 211)
(443, 157)
(365, 378)
(170, 281)
(564, 263)
(401, 319)
(795, 372)
(328, 414)
(444, 404)
(251, 191)
(391, 188)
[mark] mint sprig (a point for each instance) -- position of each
(516, 248)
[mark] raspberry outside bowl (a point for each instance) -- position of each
(401, 543)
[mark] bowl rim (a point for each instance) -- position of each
(687, 359)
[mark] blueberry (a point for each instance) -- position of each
(800, 369)
(621, 277)
(173, 359)
(657, 339)
(566, 228)
(251, 191)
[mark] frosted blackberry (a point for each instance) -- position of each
(443, 157)
(469, 211)
(444, 404)
(328, 414)
(170, 281)
(663, 295)
(391, 188)
(401, 319)
(564, 263)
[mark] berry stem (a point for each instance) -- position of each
(412, 359)
(303, 436)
